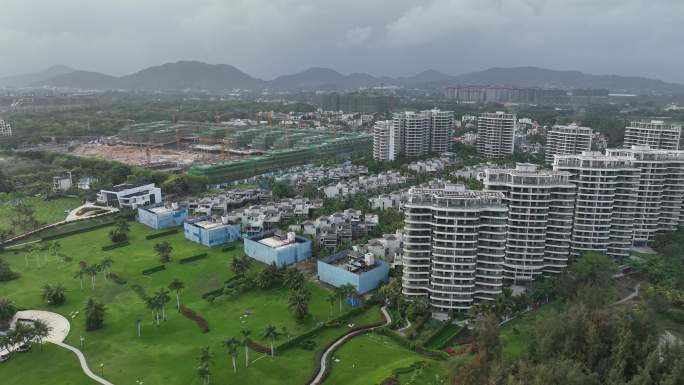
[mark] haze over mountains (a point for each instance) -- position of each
(199, 76)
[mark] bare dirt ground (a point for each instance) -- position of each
(138, 155)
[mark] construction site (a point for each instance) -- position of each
(221, 151)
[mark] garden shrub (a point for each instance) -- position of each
(154, 269)
(193, 258)
(199, 320)
(161, 234)
(115, 245)
(117, 278)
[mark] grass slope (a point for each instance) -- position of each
(165, 354)
(45, 211)
(370, 358)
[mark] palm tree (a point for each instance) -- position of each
(331, 300)
(95, 312)
(7, 341)
(293, 279)
(105, 264)
(271, 333)
(348, 290)
(92, 271)
(339, 293)
(54, 248)
(164, 298)
(232, 345)
(163, 250)
(7, 310)
(80, 274)
(240, 264)
(178, 286)
(298, 303)
(23, 333)
(53, 295)
(138, 325)
(41, 331)
(206, 359)
(153, 304)
(245, 339)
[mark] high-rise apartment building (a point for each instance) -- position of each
(660, 193)
(567, 140)
(540, 212)
(441, 123)
(454, 246)
(605, 203)
(495, 134)
(5, 128)
(386, 141)
(656, 134)
(414, 128)
(421, 133)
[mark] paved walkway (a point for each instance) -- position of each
(631, 296)
(324, 359)
(59, 329)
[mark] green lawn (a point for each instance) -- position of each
(370, 358)
(45, 211)
(165, 354)
(515, 335)
(36, 366)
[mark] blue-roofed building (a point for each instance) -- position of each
(162, 217)
(364, 272)
(278, 247)
(208, 232)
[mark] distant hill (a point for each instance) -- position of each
(545, 78)
(190, 75)
(198, 76)
(81, 79)
(25, 80)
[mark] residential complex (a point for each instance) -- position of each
(540, 208)
(567, 140)
(495, 134)
(413, 134)
(656, 134)
(454, 246)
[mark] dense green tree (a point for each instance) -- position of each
(94, 315)
(298, 303)
(163, 251)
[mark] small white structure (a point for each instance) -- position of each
(130, 196)
(62, 182)
(87, 183)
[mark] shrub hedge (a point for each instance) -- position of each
(161, 234)
(193, 258)
(408, 369)
(115, 245)
(153, 269)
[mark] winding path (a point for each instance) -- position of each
(631, 296)
(59, 329)
(324, 358)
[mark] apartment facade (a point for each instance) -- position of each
(454, 246)
(5, 128)
(567, 140)
(495, 134)
(415, 134)
(386, 141)
(656, 134)
(606, 201)
(660, 192)
(539, 225)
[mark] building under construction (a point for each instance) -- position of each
(260, 148)
(341, 146)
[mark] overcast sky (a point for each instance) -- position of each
(266, 38)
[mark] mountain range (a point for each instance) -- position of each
(199, 76)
